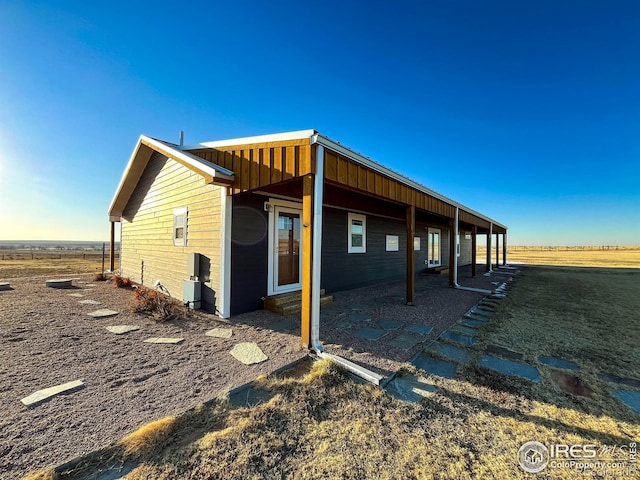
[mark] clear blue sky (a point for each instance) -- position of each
(528, 112)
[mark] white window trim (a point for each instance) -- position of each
(363, 219)
(180, 242)
(458, 245)
(416, 244)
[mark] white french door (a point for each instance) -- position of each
(285, 249)
(433, 247)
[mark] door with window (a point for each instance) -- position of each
(286, 243)
(433, 247)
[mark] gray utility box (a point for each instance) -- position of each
(191, 292)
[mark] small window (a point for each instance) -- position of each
(416, 244)
(357, 233)
(392, 243)
(180, 227)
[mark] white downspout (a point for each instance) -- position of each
(354, 368)
(456, 230)
(317, 249)
(490, 248)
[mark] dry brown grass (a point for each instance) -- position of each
(618, 257)
(48, 474)
(148, 437)
(328, 426)
(157, 305)
(48, 267)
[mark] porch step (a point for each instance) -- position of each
(287, 303)
(442, 270)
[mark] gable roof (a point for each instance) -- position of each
(139, 159)
(316, 138)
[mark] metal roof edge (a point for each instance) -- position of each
(274, 137)
(159, 146)
(367, 162)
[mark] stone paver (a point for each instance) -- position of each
(471, 322)
(434, 366)
(76, 295)
(608, 377)
(120, 329)
(59, 283)
(504, 352)
(367, 333)
(511, 368)
(172, 340)
(479, 312)
(103, 313)
(630, 398)
(465, 340)
(556, 362)
(89, 302)
(357, 307)
(220, 333)
(4, 286)
(360, 317)
(390, 324)
(117, 472)
(44, 394)
(410, 388)
(419, 329)
(405, 341)
(466, 330)
(457, 354)
(249, 397)
(248, 353)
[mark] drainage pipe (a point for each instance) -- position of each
(456, 232)
(490, 234)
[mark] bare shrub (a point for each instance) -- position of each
(121, 282)
(158, 306)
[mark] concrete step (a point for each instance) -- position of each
(293, 306)
(283, 298)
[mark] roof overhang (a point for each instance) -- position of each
(146, 146)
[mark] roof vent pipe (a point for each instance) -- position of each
(181, 138)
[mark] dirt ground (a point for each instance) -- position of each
(47, 339)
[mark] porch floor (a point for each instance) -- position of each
(353, 326)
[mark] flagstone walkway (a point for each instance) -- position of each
(456, 347)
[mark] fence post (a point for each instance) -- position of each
(103, 258)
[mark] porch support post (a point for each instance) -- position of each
(411, 266)
(307, 259)
(474, 233)
(489, 247)
(112, 247)
(497, 250)
(452, 251)
(504, 248)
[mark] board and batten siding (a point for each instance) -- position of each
(148, 252)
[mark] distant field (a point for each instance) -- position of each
(619, 257)
(21, 263)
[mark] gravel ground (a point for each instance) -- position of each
(48, 339)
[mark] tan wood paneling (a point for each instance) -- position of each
(148, 253)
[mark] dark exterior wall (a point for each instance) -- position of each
(342, 270)
(249, 244)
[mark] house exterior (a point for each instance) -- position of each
(280, 213)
